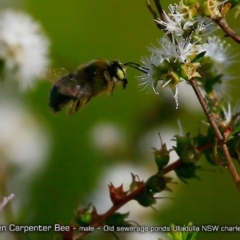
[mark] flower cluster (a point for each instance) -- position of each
(187, 42)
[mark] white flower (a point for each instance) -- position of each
(171, 26)
(22, 141)
(231, 116)
(177, 25)
(158, 64)
(205, 27)
(23, 48)
(179, 49)
(148, 79)
(186, 36)
(175, 22)
(175, 13)
(227, 114)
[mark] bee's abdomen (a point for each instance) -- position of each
(57, 100)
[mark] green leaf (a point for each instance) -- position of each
(235, 131)
(199, 57)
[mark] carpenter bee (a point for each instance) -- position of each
(89, 80)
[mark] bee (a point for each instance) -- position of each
(89, 80)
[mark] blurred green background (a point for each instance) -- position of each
(81, 30)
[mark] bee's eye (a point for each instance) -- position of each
(117, 70)
(120, 73)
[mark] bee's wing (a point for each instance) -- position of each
(84, 96)
(67, 90)
(68, 87)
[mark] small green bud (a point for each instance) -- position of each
(84, 218)
(146, 198)
(135, 182)
(156, 183)
(186, 148)
(171, 80)
(189, 70)
(118, 219)
(161, 156)
(186, 171)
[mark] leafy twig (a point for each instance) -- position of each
(102, 218)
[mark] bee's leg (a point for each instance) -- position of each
(111, 87)
(72, 107)
(110, 84)
(78, 104)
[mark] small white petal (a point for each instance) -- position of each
(147, 80)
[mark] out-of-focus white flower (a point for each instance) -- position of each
(23, 48)
(219, 56)
(220, 52)
(152, 234)
(108, 137)
(22, 141)
(227, 113)
(230, 116)
(204, 27)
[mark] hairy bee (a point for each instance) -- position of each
(88, 81)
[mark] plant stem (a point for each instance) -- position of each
(218, 134)
(155, 16)
(7, 212)
(160, 10)
(102, 218)
(222, 23)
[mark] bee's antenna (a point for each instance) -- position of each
(137, 66)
